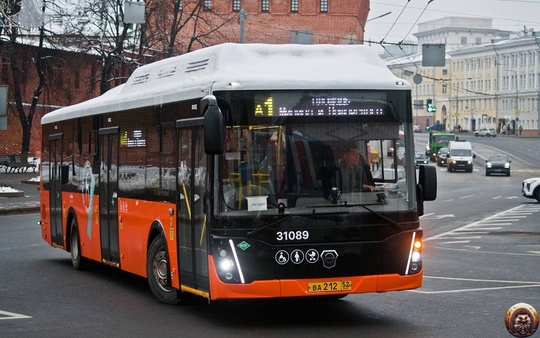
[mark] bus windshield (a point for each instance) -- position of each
(304, 162)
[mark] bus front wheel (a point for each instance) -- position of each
(77, 260)
(158, 272)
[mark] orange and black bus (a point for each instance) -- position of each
(216, 173)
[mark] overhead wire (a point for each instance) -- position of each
(395, 21)
(417, 19)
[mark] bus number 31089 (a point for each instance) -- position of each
(292, 235)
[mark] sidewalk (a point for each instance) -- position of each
(25, 204)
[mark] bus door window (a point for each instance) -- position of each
(191, 219)
(55, 179)
(108, 194)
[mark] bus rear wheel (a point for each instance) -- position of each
(77, 260)
(158, 273)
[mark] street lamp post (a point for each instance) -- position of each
(457, 104)
(516, 103)
(455, 86)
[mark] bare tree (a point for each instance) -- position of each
(176, 27)
(12, 51)
(172, 27)
(97, 26)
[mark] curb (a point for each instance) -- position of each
(19, 210)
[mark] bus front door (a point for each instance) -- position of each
(55, 196)
(191, 187)
(108, 189)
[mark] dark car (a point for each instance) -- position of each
(499, 164)
(441, 157)
(435, 127)
(421, 159)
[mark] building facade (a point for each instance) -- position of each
(494, 85)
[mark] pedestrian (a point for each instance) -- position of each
(520, 130)
(375, 158)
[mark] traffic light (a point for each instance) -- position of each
(429, 106)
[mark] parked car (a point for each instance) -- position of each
(420, 159)
(485, 132)
(530, 188)
(442, 154)
(498, 164)
(435, 127)
(417, 128)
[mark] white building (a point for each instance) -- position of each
(493, 84)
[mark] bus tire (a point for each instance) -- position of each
(77, 260)
(158, 272)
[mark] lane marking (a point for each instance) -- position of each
(477, 289)
(12, 315)
(520, 285)
(471, 225)
(528, 253)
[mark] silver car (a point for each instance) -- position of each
(485, 132)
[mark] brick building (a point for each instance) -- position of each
(296, 21)
(72, 76)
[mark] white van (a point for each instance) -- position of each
(460, 156)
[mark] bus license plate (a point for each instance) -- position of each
(344, 285)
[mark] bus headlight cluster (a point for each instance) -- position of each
(414, 265)
(227, 265)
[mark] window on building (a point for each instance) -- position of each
(207, 5)
(77, 79)
(445, 72)
(294, 6)
(324, 6)
(478, 41)
(236, 5)
(444, 88)
(265, 6)
(463, 40)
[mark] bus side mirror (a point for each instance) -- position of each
(214, 128)
(427, 183)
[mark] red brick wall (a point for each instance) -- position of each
(335, 26)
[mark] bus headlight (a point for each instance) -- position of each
(416, 257)
(225, 264)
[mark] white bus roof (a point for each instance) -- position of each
(232, 66)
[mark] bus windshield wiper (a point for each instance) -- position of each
(364, 206)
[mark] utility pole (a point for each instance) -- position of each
(242, 25)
